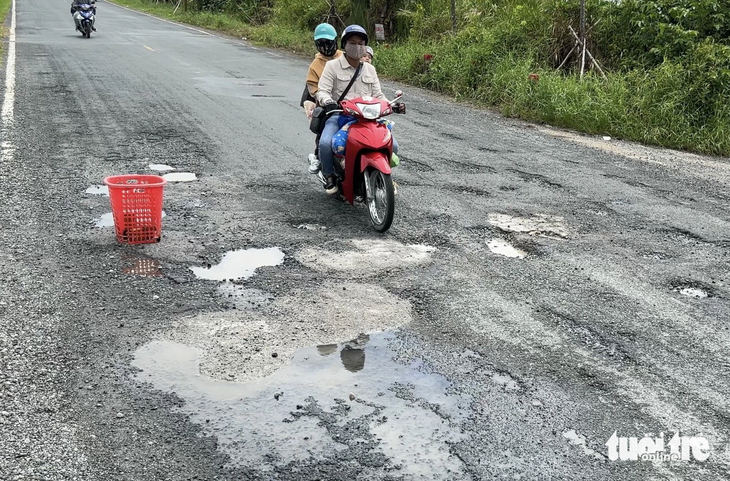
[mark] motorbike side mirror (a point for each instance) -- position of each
(399, 93)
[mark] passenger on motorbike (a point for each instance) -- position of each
(325, 39)
(333, 82)
(77, 17)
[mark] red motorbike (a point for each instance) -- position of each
(365, 175)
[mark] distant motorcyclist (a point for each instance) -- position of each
(77, 16)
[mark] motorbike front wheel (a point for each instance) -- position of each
(380, 199)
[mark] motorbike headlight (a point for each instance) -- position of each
(369, 111)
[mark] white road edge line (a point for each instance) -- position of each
(161, 19)
(6, 148)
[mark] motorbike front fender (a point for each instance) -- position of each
(376, 160)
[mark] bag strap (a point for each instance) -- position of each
(352, 81)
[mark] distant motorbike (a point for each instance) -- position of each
(85, 16)
(365, 171)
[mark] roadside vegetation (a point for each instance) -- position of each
(4, 10)
(667, 62)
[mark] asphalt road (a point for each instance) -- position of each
(338, 353)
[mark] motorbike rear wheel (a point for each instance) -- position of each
(380, 199)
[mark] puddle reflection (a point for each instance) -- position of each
(142, 267)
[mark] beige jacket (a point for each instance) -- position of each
(337, 74)
(315, 71)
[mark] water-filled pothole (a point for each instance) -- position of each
(502, 248)
(311, 227)
(98, 190)
(539, 225)
(693, 288)
(693, 292)
(180, 177)
(351, 396)
(107, 220)
(161, 167)
(240, 264)
(579, 440)
(506, 381)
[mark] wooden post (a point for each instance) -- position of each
(453, 15)
(583, 35)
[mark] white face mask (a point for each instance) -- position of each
(355, 51)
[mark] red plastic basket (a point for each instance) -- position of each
(137, 207)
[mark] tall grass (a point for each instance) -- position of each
(4, 10)
(505, 53)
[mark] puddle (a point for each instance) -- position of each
(161, 167)
(540, 225)
(180, 177)
(142, 267)
(693, 292)
(238, 343)
(579, 440)
(98, 190)
(504, 249)
(107, 220)
(367, 257)
(506, 381)
(347, 397)
(240, 264)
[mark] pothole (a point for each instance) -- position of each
(98, 190)
(106, 220)
(241, 342)
(692, 288)
(240, 264)
(506, 381)
(161, 167)
(345, 396)
(243, 297)
(693, 292)
(311, 227)
(502, 248)
(579, 440)
(539, 225)
(180, 177)
(368, 256)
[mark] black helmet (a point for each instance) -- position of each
(353, 30)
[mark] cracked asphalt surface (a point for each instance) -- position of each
(418, 354)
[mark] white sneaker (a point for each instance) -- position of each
(314, 164)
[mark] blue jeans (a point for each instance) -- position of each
(326, 156)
